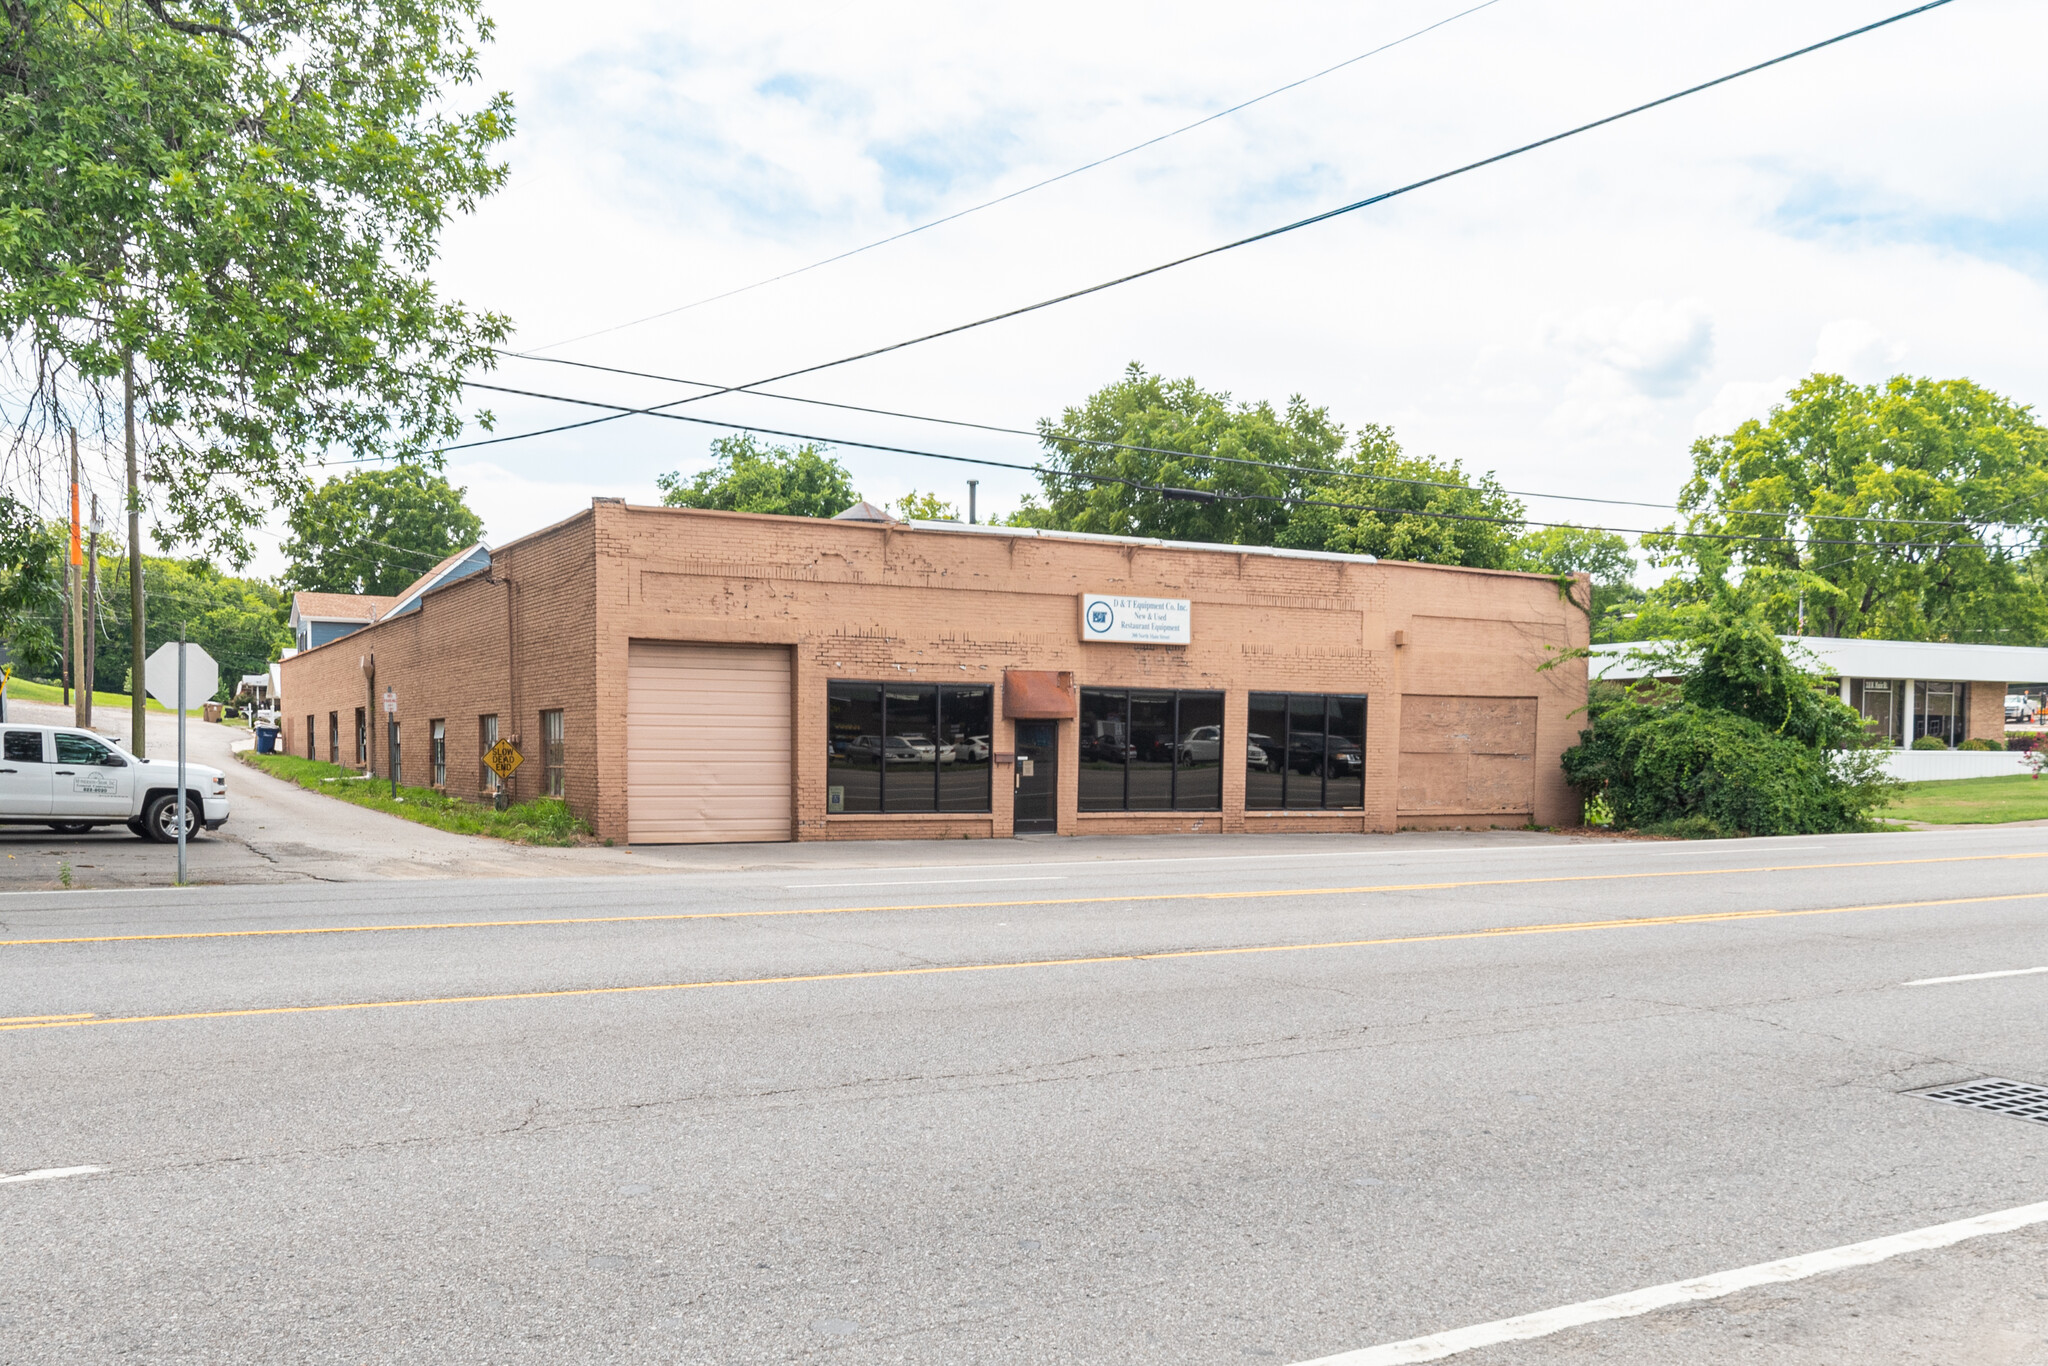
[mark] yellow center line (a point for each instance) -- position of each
(1163, 955)
(999, 905)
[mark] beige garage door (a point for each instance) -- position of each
(707, 743)
(1468, 756)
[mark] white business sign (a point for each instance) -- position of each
(1136, 621)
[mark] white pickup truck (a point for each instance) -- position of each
(72, 780)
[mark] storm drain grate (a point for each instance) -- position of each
(2020, 1099)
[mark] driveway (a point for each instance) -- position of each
(277, 832)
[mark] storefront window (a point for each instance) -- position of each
(907, 747)
(1877, 701)
(1305, 752)
(1938, 711)
(1151, 751)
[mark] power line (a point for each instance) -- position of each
(1016, 194)
(1105, 444)
(1269, 233)
(1218, 496)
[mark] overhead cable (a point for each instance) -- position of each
(1219, 496)
(1269, 233)
(1104, 444)
(1017, 194)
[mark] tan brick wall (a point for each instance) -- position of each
(1986, 717)
(865, 601)
(451, 660)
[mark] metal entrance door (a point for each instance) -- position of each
(1038, 785)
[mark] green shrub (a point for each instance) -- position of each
(1979, 744)
(1930, 742)
(1745, 743)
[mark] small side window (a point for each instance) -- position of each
(81, 749)
(23, 747)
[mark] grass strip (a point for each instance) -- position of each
(1973, 801)
(23, 690)
(544, 820)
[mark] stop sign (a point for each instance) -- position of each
(160, 674)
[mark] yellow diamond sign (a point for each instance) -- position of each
(502, 759)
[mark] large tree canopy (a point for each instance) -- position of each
(748, 476)
(1147, 456)
(377, 530)
(245, 196)
(1912, 510)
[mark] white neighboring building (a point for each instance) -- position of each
(1907, 689)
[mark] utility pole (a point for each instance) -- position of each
(92, 611)
(138, 649)
(64, 679)
(81, 707)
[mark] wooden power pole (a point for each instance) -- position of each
(138, 714)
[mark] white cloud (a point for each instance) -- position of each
(1856, 350)
(1570, 319)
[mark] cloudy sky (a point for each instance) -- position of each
(1571, 319)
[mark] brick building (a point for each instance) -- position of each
(681, 676)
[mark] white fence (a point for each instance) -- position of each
(1933, 765)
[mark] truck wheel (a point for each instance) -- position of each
(160, 820)
(138, 829)
(70, 828)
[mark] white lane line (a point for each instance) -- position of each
(47, 1174)
(917, 882)
(1974, 977)
(1527, 1326)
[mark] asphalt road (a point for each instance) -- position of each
(1233, 1100)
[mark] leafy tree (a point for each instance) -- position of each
(1602, 555)
(925, 507)
(31, 586)
(377, 530)
(748, 476)
(243, 200)
(1911, 510)
(1375, 499)
(1407, 507)
(1180, 423)
(1748, 742)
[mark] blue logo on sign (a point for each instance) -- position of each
(1100, 618)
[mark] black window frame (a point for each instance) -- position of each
(1285, 706)
(1126, 744)
(931, 713)
(437, 743)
